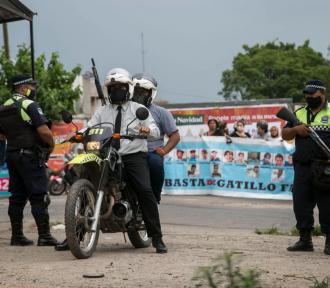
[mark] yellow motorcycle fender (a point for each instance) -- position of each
(85, 158)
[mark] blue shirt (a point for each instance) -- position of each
(165, 123)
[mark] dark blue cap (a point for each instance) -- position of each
(312, 86)
(23, 79)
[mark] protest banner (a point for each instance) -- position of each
(4, 181)
(245, 168)
(193, 121)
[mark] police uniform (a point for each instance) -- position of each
(305, 197)
(306, 194)
(27, 172)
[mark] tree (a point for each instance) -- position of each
(55, 92)
(274, 70)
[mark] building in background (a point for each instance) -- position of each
(89, 100)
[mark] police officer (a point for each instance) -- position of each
(145, 90)
(305, 193)
(29, 139)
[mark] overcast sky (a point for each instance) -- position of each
(188, 43)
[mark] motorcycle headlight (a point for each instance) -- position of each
(93, 145)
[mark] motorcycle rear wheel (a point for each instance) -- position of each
(55, 188)
(79, 210)
(139, 238)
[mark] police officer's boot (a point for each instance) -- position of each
(63, 246)
(305, 242)
(41, 216)
(157, 242)
(327, 244)
(16, 219)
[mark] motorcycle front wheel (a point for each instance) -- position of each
(79, 210)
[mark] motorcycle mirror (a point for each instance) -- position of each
(67, 117)
(142, 113)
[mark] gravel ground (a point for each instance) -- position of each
(196, 229)
(189, 248)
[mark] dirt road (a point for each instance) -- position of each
(192, 243)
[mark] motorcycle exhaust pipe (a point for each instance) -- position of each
(122, 210)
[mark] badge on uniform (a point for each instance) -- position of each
(325, 119)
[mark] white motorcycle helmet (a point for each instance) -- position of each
(119, 76)
(148, 83)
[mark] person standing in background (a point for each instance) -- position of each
(145, 90)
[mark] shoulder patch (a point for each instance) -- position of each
(325, 119)
(40, 111)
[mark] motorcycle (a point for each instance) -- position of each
(101, 199)
(61, 180)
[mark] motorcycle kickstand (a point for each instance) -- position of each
(124, 233)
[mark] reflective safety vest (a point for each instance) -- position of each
(306, 148)
(16, 124)
(320, 121)
(22, 102)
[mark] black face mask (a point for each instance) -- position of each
(313, 102)
(32, 94)
(142, 99)
(118, 96)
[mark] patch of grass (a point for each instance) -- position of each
(293, 232)
(324, 283)
(317, 231)
(226, 273)
(269, 231)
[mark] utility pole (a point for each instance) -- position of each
(142, 52)
(6, 39)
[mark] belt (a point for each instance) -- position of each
(23, 151)
(26, 151)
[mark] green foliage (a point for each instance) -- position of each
(325, 283)
(316, 232)
(274, 70)
(225, 273)
(55, 92)
(293, 232)
(269, 231)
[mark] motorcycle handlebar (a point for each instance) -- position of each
(132, 137)
(77, 138)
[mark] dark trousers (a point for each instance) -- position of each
(305, 198)
(157, 174)
(27, 181)
(137, 172)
